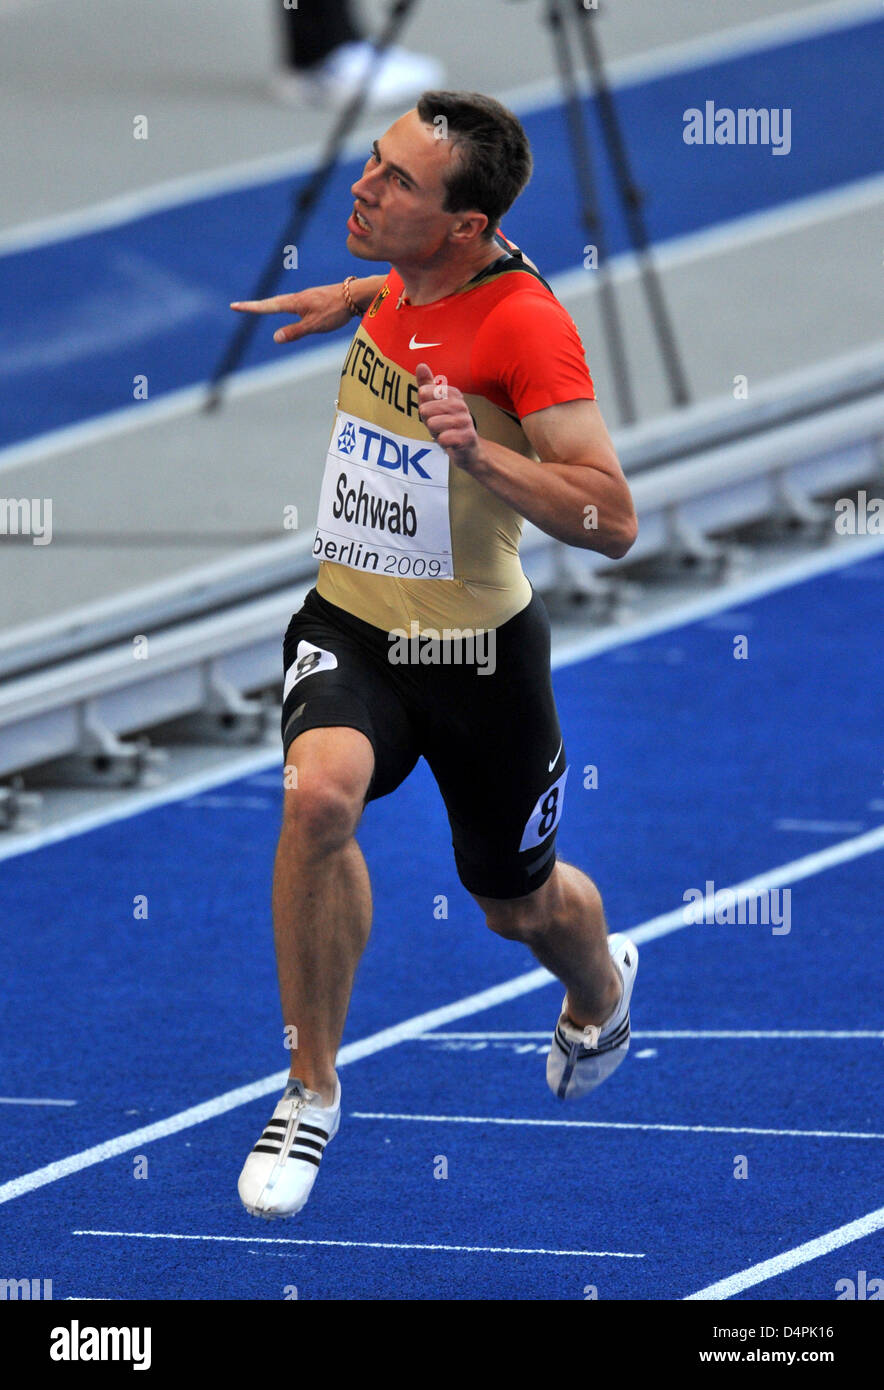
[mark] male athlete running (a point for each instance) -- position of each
(465, 405)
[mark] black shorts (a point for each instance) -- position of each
(486, 724)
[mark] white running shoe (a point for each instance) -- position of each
(582, 1058)
(401, 76)
(280, 1171)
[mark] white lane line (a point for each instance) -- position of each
(821, 827)
(565, 653)
(33, 1100)
(704, 51)
(735, 1033)
(771, 31)
(794, 872)
(243, 1095)
(733, 234)
(777, 1033)
(112, 1148)
(683, 55)
(801, 1254)
(617, 1124)
(233, 803)
(367, 1244)
(422, 1023)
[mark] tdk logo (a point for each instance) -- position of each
(381, 450)
(347, 438)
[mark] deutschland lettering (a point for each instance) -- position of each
(382, 378)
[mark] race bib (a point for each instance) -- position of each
(384, 503)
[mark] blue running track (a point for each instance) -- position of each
(709, 768)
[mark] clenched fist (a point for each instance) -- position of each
(447, 417)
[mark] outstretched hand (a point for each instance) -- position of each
(320, 310)
(447, 417)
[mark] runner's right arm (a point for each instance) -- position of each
(320, 309)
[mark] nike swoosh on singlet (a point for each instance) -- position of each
(413, 345)
(556, 758)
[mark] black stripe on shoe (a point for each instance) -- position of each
(312, 1129)
(615, 1039)
(306, 1156)
(299, 1149)
(307, 1143)
(270, 1143)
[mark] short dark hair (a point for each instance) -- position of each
(494, 160)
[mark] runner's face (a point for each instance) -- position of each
(400, 196)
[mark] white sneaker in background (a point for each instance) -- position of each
(401, 76)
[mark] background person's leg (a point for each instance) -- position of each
(314, 29)
(327, 58)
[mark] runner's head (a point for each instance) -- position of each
(437, 183)
(491, 157)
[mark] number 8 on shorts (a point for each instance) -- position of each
(546, 815)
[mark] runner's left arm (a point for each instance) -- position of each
(576, 493)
